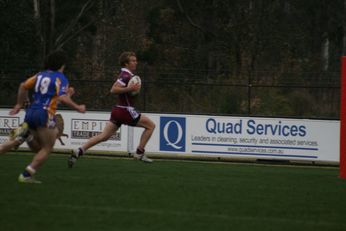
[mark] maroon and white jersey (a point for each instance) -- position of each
(125, 99)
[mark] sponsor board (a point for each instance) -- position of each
(87, 128)
(82, 127)
(244, 137)
(274, 138)
(7, 123)
(203, 135)
(172, 134)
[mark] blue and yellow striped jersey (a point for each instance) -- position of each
(47, 86)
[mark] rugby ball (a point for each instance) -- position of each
(134, 80)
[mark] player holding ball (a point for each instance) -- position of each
(126, 87)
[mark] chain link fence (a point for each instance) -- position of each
(296, 95)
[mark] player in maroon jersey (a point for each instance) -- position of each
(122, 113)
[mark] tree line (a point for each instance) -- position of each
(263, 57)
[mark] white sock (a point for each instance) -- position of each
(30, 170)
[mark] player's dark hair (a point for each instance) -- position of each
(124, 58)
(55, 60)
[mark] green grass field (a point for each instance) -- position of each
(123, 194)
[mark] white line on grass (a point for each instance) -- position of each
(195, 161)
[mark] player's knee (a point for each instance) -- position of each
(151, 126)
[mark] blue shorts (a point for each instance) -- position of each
(36, 118)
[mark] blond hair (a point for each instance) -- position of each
(124, 58)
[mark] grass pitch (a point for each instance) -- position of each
(122, 194)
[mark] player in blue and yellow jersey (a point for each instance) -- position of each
(50, 87)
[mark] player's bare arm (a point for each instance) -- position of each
(21, 98)
(69, 102)
(117, 88)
